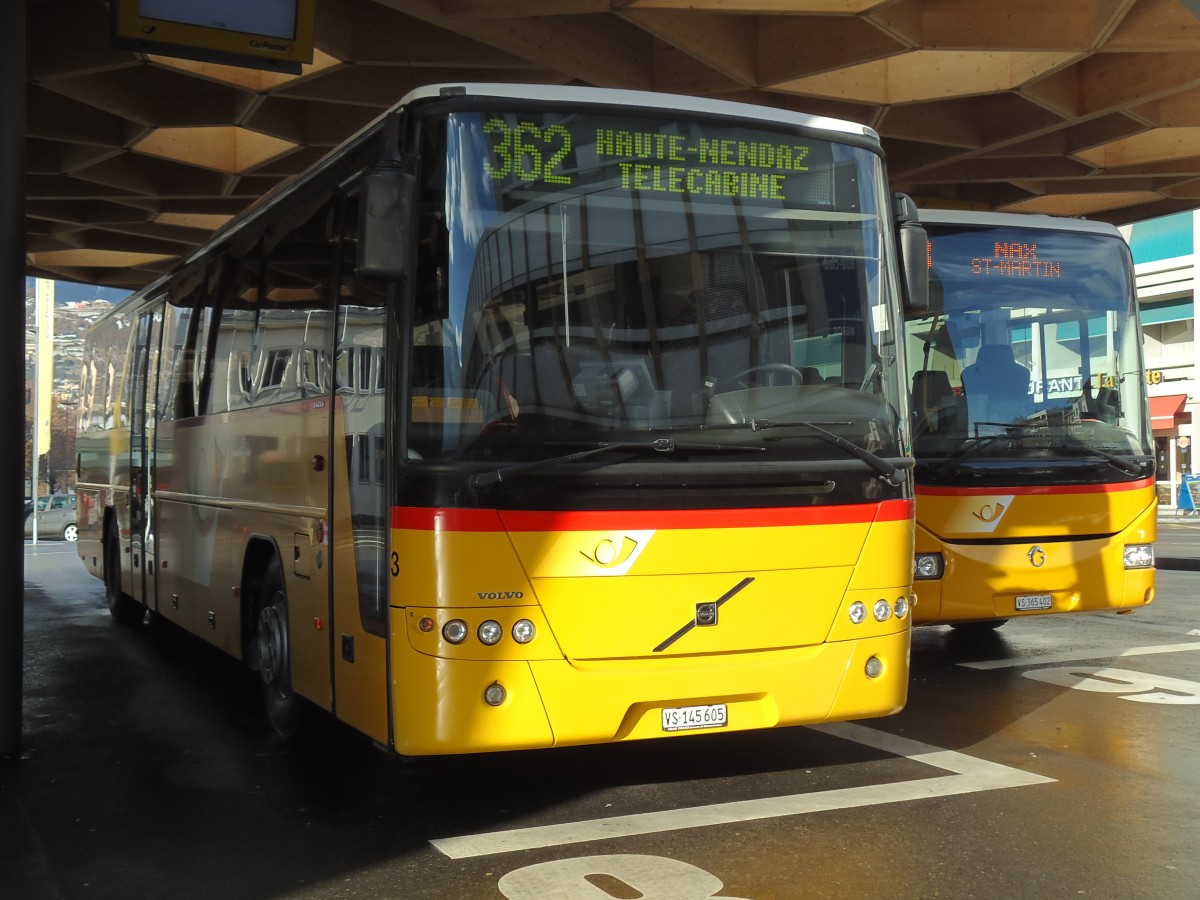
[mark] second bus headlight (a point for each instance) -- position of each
(1139, 556)
(928, 565)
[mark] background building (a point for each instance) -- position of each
(1164, 256)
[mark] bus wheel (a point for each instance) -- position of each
(121, 606)
(285, 709)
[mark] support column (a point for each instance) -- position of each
(12, 360)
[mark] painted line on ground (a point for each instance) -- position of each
(968, 775)
(1079, 656)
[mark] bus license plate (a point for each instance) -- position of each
(686, 718)
(1034, 601)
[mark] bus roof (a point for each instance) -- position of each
(1014, 220)
(555, 93)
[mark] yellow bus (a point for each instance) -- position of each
(531, 416)
(1035, 464)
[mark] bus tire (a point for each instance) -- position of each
(285, 708)
(121, 606)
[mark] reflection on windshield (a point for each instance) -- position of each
(575, 299)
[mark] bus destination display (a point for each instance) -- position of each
(673, 163)
(1009, 259)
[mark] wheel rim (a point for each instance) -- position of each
(272, 645)
(70, 533)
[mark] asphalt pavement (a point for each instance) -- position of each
(1178, 544)
(147, 764)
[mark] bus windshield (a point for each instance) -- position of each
(590, 277)
(1029, 350)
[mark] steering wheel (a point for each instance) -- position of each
(770, 370)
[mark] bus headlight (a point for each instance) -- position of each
(858, 612)
(523, 631)
(1139, 556)
(455, 631)
(882, 610)
(490, 632)
(901, 607)
(928, 565)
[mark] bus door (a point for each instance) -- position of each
(141, 455)
(359, 516)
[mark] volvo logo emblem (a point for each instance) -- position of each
(1037, 556)
(705, 614)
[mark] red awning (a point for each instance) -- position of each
(1163, 411)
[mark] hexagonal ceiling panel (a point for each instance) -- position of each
(1072, 108)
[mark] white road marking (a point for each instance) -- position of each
(967, 775)
(1079, 656)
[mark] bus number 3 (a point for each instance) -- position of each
(588, 877)
(1137, 686)
(395, 564)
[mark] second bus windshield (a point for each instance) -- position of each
(1031, 337)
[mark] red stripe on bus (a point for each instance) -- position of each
(1042, 489)
(421, 518)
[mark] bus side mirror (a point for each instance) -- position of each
(385, 220)
(914, 254)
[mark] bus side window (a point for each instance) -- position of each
(293, 324)
(181, 373)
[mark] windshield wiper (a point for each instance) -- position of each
(658, 445)
(892, 474)
(1017, 433)
(969, 450)
(1124, 463)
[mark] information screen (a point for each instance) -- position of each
(275, 35)
(273, 18)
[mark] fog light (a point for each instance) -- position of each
(901, 607)
(523, 631)
(1139, 556)
(494, 694)
(882, 610)
(455, 631)
(928, 565)
(874, 667)
(490, 632)
(858, 612)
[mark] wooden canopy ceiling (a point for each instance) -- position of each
(1073, 107)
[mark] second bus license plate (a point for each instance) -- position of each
(685, 718)
(1034, 601)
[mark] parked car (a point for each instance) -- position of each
(55, 517)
